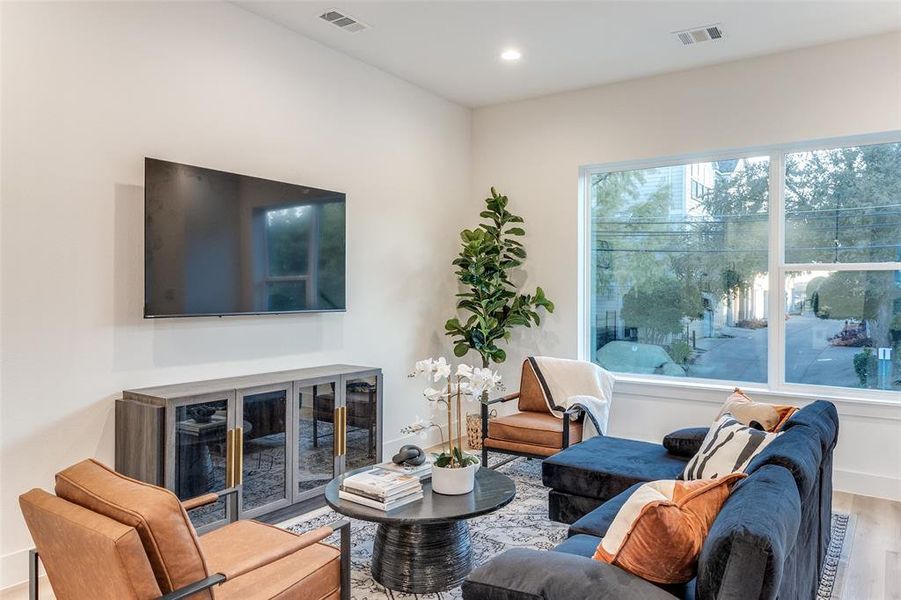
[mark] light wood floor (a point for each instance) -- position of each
(873, 571)
(874, 568)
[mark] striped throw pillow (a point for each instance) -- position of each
(727, 448)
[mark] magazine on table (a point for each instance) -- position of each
(380, 483)
(386, 506)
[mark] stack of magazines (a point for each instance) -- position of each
(381, 489)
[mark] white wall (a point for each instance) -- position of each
(88, 90)
(532, 151)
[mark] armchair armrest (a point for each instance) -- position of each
(192, 503)
(527, 574)
(506, 398)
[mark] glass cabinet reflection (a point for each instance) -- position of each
(201, 456)
(361, 397)
(265, 462)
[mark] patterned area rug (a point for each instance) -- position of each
(522, 523)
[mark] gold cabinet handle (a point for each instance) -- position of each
(343, 430)
(230, 458)
(239, 455)
(340, 433)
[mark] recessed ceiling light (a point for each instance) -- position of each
(511, 54)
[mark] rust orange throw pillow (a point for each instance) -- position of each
(658, 533)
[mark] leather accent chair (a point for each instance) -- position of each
(533, 431)
(108, 537)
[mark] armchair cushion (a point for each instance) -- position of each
(685, 442)
(310, 573)
(538, 429)
(526, 574)
(531, 394)
(166, 532)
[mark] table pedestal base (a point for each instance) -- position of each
(422, 559)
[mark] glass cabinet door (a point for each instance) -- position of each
(200, 454)
(362, 395)
(315, 402)
(264, 415)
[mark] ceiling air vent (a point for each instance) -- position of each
(345, 22)
(707, 33)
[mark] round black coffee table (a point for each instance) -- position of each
(425, 547)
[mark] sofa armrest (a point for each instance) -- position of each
(527, 574)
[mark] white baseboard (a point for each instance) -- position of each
(14, 582)
(866, 484)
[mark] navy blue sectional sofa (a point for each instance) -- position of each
(768, 541)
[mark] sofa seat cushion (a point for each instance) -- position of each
(598, 521)
(162, 523)
(311, 573)
(603, 466)
(534, 428)
(581, 544)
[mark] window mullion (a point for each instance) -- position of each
(776, 261)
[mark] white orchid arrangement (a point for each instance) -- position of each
(466, 382)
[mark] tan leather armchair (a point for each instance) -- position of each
(533, 431)
(104, 536)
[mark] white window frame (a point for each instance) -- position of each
(777, 266)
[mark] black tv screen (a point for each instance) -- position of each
(218, 243)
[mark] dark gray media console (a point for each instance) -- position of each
(274, 439)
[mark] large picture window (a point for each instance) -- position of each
(779, 267)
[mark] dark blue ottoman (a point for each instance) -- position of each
(586, 475)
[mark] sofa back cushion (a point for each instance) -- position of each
(165, 531)
(751, 539)
(822, 417)
(87, 555)
(797, 450)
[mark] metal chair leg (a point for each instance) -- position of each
(34, 572)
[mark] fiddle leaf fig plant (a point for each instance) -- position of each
(488, 256)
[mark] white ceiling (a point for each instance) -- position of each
(452, 47)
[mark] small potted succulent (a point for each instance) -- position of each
(453, 470)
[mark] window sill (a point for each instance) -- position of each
(872, 403)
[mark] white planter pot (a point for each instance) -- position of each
(454, 482)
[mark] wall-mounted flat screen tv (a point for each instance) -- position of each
(218, 243)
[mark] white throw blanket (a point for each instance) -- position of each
(567, 383)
